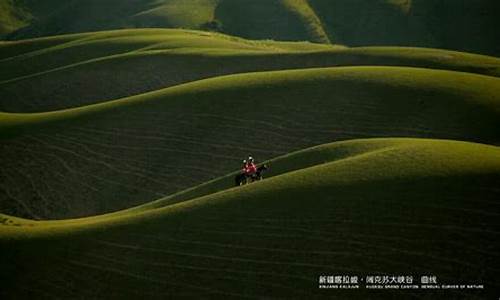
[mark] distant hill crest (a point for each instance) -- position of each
(462, 25)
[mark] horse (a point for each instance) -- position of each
(243, 178)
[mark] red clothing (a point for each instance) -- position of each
(250, 169)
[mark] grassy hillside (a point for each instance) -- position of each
(280, 20)
(437, 213)
(344, 151)
(53, 17)
(11, 17)
(74, 70)
(462, 25)
(117, 154)
(119, 147)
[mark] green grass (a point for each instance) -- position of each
(114, 155)
(308, 16)
(261, 19)
(458, 25)
(179, 14)
(11, 17)
(119, 148)
(339, 152)
(53, 17)
(398, 206)
(38, 55)
(74, 70)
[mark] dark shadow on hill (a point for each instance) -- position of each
(449, 24)
(466, 25)
(260, 19)
(55, 17)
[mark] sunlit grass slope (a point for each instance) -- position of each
(111, 156)
(381, 206)
(74, 70)
(11, 17)
(338, 151)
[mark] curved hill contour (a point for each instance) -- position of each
(114, 155)
(462, 25)
(274, 237)
(119, 148)
(75, 70)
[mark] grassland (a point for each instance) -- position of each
(75, 70)
(140, 148)
(323, 212)
(52, 17)
(118, 151)
(11, 17)
(451, 24)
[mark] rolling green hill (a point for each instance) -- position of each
(462, 25)
(114, 155)
(379, 206)
(74, 70)
(51, 17)
(123, 124)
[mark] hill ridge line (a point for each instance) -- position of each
(220, 52)
(138, 213)
(134, 99)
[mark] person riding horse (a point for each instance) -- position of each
(250, 167)
(249, 171)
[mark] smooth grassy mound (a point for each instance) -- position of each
(110, 156)
(74, 70)
(351, 208)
